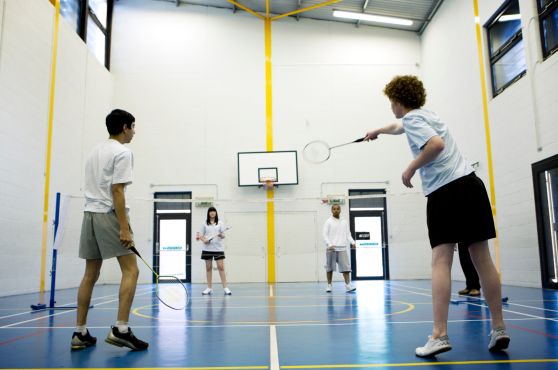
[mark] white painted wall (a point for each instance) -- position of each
(82, 100)
(452, 77)
(194, 78)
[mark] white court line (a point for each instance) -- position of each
(66, 304)
(273, 349)
(271, 290)
(509, 303)
(483, 306)
(60, 313)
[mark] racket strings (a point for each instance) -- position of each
(172, 292)
(316, 152)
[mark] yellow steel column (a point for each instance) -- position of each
(269, 148)
(488, 145)
(49, 143)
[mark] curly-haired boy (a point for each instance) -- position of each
(458, 209)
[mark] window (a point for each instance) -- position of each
(548, 19)
(505, 39)
(92, 21)
(71, 11)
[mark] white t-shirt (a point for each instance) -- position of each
(421, 125)
(208, 232)
(336, 234)
(108, 164)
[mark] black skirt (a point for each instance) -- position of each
(460, 212)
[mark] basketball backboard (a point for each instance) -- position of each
(254, 165)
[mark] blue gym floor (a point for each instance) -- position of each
(379, 325)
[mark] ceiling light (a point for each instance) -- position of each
(371, 18)
(509, 17)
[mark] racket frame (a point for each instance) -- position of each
(328, 147)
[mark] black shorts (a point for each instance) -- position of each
(460, 212)
(208, 255)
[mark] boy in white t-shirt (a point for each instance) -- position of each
(106, 230)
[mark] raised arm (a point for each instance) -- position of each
(119, 201)
(393, 129)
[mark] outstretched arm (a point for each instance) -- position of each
(393, 129)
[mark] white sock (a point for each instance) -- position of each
(122, 327)
(81, 329)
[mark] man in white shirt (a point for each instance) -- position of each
(336, 234)
(106, 231)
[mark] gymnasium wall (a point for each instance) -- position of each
(82, 98)
(452, 77)
(194, 78)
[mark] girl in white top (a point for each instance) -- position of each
(212, 234)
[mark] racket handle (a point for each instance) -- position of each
(358, 140)
(133, 249)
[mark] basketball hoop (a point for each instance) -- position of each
(268, 182)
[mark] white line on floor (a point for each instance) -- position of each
(66, 304)
(273, 350)
(271, 290)
(60, 313)
(480, 305)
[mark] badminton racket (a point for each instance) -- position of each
(169, 289)
(319, 151)
(218, 234)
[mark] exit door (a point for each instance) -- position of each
(369, 259)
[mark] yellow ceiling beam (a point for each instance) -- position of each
(305, 9)
(245, 8)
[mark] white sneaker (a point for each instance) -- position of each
(499, 339)
(228, 291)
(329, 288)
(349, 288)
(434, 346)
(207, 291)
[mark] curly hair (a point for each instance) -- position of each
(407, 91)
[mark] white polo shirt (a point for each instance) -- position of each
(208, 232)
(336, 234)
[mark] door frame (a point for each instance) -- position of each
(385, 257)
(172, 216)
(537, 169)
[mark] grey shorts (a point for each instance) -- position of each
(341, 258)
(100, 236)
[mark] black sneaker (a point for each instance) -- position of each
(80, 341)
(128, 339)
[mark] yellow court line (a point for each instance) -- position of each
(305, 9)
(49, 143)
(488, 145)
(424, 364)
(245, 8)
(135, 312)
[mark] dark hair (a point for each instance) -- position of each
(211, 209)
(336, 205)
(117, 119)
(407, 91)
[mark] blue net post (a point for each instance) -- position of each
(54, 253)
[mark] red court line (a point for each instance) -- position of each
(517, 327)
(39, 332)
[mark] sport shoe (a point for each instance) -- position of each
(207, 291)
(80, 341)
(499, 339)
(474, 292)
(228, 291)
(464, 291)
(329, 288)
(127, 339)
(434, 346)
(349, 288)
